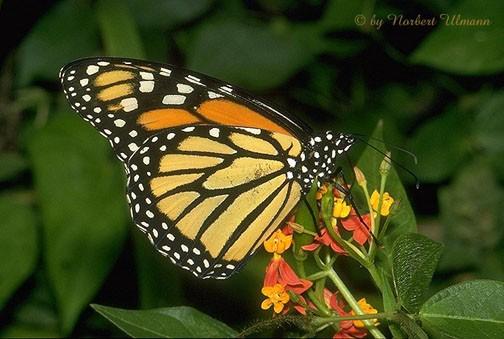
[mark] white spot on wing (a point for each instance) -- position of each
(147, 76)
(173, 99)
(119, 122)
(213, 95)
(129, 104)
(183, 88)
(146, 86)
(214, 132)
(92, 69)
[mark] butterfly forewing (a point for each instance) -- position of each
(130, 100)
(208, 196)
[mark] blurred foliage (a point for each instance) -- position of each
(66, 239)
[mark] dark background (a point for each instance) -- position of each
(66, 239)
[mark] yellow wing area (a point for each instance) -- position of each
(216, 192)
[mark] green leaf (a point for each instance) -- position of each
(171, 322)
(119, 30)
(471, 210)
(12, 165)
(67, 32)
(410, 327)
(34, 314)
(414, 260)
(441, 144)
(153, 271)
(403, 219)
(81, 196)
(251, 54)
(305, 218)
(18, 244)
(466, 49)
(472, 309)
(489, 124)
(163, 15)
(389, 302)
(340, 14)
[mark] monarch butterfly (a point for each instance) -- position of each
(211, 171)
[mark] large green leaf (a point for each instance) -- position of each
(471, 210)
(171, 322)
(472, 309)
(253, 55)
(164, 15)
(306, 215)
(403, 220)
(464, 48)
(34, 314)
(68, 31)
(12, 165)
(153, 270)
(414, 260)
(119, 30)
(18, 244)
(441, 144)
(489, 123)
(81, 195)
(341, 15)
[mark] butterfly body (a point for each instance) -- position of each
(211, 171)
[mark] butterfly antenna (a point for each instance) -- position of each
(411, 154)
(392, 161)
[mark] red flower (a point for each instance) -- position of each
(353, 223)
(324, 239)
(347, 329)
(278, 271)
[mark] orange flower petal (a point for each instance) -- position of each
(266, 304)
(278, 307)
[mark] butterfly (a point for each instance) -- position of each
(211, 171)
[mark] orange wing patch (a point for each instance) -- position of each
(229, 113)
(166, 117)
(112, 77)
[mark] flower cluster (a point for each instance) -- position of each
(280, 278)
(342, 230)
(348, 328)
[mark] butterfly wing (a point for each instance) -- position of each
(130, 100)
(208, 196)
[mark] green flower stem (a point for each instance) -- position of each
(351, 249)
(340, 285)
(376, 228)
(376, 276)
(321, 306)
(387, 221)
(316, 276)
(385, 315)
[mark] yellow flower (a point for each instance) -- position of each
(340, 209)
(277, 296)
(367, 309)
(387, 202)
(278, 242)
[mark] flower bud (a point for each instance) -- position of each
(385, 164)
(359, 176)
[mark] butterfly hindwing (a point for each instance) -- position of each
(130, 100)
(207, 196)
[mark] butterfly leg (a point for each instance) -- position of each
(345, 188)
